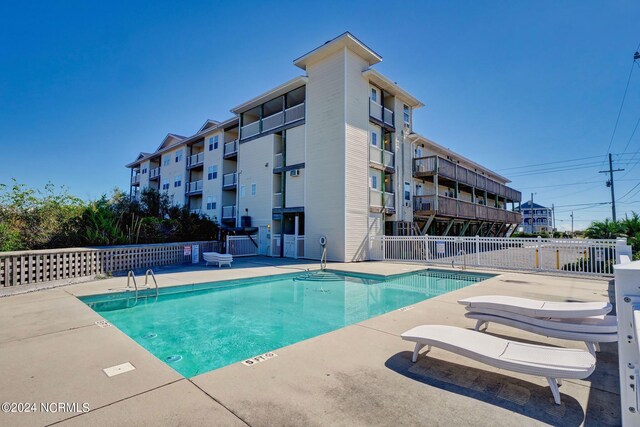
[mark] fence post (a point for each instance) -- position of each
(627, 281)
(227, 244)
(426, 248)
(622, 248)
(477, 250)
(538, 252)
(383, 240)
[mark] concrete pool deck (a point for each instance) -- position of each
(52, 350)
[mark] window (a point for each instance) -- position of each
(374, 138)
(254, 189)
(215, 142)
(374, 182)
(212, 172)
(211, 203)
(165, 184)
(178, 156)
(167, 160)
(210, 143)
(405, 110)
(242, 191)
(407, 191)
(144, 170)
(177, 181)
(374, 94)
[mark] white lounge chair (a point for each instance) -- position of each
(574, 321)
(552, 363)
(216, 258)
(535, 308)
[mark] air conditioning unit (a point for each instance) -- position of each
(294, 172)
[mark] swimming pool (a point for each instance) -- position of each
(201, 327)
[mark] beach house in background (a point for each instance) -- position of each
(328, 153)
(536, 218)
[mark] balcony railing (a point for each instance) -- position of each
(229, 180)
(195, 160)
(431, 165)
(273, 121)
(154, 173)
(277, 161)
(250, 130)
(381, 199)
(229, 212)
(193, 187)
(294, 113)
(195, 211)
(135, 180)
(277, 200)
(446, 206)
(230, 148)
(381, 157)
(388, 116)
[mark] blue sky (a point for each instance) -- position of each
(85, 86)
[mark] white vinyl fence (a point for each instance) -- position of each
(242, 245)
(562, 256)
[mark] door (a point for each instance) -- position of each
(264, 240)
(290, 246)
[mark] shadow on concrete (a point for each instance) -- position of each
(513, 394)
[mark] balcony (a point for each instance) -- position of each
(380, 114)
(250, 130)
(135, 180)
(454, 208)
(277, 200)
(277, 161)
(193, 188)
(444, 168)
(195, 211)
(230, 181)
(380, 201)
(273, 121)
(230, 149)
(228, 212)
(195, 160)
(381, 159)
(154, 173)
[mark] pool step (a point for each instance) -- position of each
(319, 276)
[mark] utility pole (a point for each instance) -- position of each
(571, 223)
(610, 184)
(553, 217)
(532, 213)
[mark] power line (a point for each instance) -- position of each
(550, 163)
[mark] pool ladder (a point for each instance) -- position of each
(131, 276)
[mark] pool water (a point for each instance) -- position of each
(198, 328)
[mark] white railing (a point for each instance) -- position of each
(195, 160)
(627, 294)
(193, 187)
(277, 161)
(294, 113)
(277, 200)
(375, 197)
(275, 245)
(562, 256)
(230, 179)
(375, 109)
(293, 246)
(389, 200)
(154, 173)
(195, 211)
(135, 179)
(381, 157)
(388, 116)
(242, 245)
(273, 121)
(250, 130)
(230, 148)
(229, 212)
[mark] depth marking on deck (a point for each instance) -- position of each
(103, 323)
(119, 369)
(411, 307)
(259, 359)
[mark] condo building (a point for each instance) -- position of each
(536, 218)
(329, 153)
